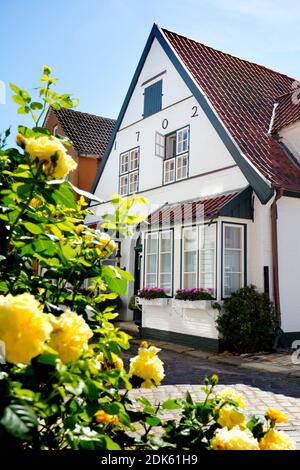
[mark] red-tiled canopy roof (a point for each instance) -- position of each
(189, 210)
(243, 94)
(287, 111)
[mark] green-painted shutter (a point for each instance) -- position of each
(152, 98)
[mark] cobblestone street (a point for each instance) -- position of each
(260, 389)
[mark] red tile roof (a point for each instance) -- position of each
(243, 94)
(192, 210)
(287, 110)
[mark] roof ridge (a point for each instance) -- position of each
(229, 54)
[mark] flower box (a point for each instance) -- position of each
(159, 302)
(195, 304)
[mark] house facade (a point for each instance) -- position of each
(89, 135)
(212, 141)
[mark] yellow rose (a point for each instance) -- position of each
(116, 361)
(34, 202)
(214, 379)
(231, 394)
(234, 439)
(49, 150)
(24, 328)
(147, 366)
(79, 228)
(102, 417)
(70, 336)
(276, 440)
(229, 416)
(276, 416)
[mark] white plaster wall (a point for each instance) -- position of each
(174, 89)
(181, 320)
(291, 137)
(289, 261)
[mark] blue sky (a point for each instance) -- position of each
(93, 46)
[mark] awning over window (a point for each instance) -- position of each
(234, 204)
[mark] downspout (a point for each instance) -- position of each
(274, 217)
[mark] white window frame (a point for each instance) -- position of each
(180, 141)
(158, 236)
(179, 155)
(179, 159)
(124, 166)
(146, 273)
(168, 162)
(183, 272)
(127, 168)
(55, 130)
(123, 177)
(242, 227)
(183, 251)
(159, 145)
(133, 185)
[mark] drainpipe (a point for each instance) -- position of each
(274, 217)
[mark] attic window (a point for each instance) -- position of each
(152, 99)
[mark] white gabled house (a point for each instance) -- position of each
(213, 142)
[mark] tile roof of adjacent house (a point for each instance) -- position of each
(89, 133)
(287, 110)
(243, 94)
(188, 211)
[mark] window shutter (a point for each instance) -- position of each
(152, 98)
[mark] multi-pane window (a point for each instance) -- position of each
(176, 155)
(233, 258)
(199, 257)
(129, 171)
(159, 145)
(158, 260)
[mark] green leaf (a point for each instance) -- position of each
(14, 88)
(18, 99)
(36, 105)
(19, 420)
(110, 444)
(33, 228)
(64, 196)
(153, 421)
(47, 358)
(170, 405)
(114, 280)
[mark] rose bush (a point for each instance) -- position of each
(63, 384)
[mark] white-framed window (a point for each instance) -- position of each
(189, 258)
(133, 182)
(124, 163)
(199, 257)
(55, 131)
(129, 171)
(159, 145)
(233, 276)
(169, 170)
(176, 153)
(182, 166)
(182, 140)
(159, 260)
(151, 259)
(123, 185)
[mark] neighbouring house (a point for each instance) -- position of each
(213, 141)
(89, 135)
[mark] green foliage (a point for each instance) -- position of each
(248, 323)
